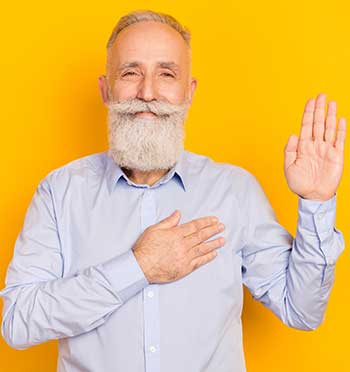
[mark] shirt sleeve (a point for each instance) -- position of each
(291, 276)
(39, 303)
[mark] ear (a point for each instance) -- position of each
(103, 85)
(193, 88)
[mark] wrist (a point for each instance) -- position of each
(143, 263)
(315, 197)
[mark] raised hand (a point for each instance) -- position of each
(313, 163)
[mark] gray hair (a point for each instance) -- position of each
(148, 15)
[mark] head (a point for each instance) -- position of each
(148, 89)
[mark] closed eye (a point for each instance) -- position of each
(168, 74)
(129, 73)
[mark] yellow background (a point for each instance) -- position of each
(257, 63)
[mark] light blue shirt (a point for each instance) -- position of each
(74, 276)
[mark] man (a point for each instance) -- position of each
(103, 263)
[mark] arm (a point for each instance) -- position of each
(39, 303)
(292, 277)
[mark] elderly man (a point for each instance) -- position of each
(103, 263)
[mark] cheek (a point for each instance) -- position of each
(174, 93)
(124, 90)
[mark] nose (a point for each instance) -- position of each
(147, 89)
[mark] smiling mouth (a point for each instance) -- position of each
(146, 114)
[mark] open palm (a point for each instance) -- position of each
(313, 163)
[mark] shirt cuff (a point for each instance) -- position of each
(317, 216)
(125, 275)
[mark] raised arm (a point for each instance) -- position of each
(291, 276)
(294, 276)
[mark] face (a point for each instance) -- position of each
(148, 93)
(149, 61)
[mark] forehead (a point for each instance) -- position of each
(149, 41)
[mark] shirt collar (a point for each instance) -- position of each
(179, 172)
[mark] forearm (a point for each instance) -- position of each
(65, 307)
(300, 296)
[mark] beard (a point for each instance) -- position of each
(146, 143)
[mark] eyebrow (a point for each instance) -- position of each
(171, 65)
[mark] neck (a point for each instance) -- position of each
(140, 177)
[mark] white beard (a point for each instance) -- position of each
(143, 143)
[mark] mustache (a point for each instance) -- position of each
(159, 108)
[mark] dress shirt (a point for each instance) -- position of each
(74, 276)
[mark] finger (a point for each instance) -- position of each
(203, 234)
(319, 118)
(169, 221)
(331, 122)
(200, 261)
(307, 120)
(195, 225)
(206, 247)
(341, 133)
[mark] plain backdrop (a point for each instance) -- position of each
(256, 62)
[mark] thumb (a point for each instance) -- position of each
(290, 150)
(170, 221)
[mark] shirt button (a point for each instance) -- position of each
(320, 216)
(150, 294)
(152, 349)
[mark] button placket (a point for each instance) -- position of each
(150, 293)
